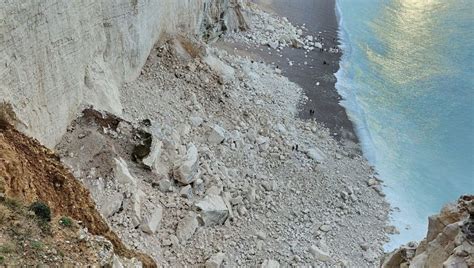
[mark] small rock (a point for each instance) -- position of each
(186, 192)
(242, 211)
(372, 182)
(213, 210)
(155, 152)
(267, 186)
(319, 254)
(316, 154)
(136, 207)
(273, 44)
(251, 195)
(236, 200)
(167, 242)
(214, 190)
(196, 121)
(151, 223)
(391, 230)
(364, 246)
(187, 170)
(187, 227)
(261, 235)
(112, 205)
(270, 264)
(379, 190)
(122, 174)
(216, 135)
(164, 185)
(325, 228)
(216, 260)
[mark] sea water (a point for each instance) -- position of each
(407, 81)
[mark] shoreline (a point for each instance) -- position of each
(317, 80)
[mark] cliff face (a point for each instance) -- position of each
(448, 243)
(56, 55)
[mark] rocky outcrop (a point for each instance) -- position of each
(448, 243)
(57, 55)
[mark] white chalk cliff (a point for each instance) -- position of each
(57, 55)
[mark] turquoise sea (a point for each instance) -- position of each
(407, 79)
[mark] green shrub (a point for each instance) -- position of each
(36, 245)
(41, 210)
(65, 222)
(6, 248)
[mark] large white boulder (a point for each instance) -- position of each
(187, 227)
(111, 205)
(186, 170)
(123, 175)
(213, 210)
(152, 222)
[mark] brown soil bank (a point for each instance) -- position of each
(30, 172)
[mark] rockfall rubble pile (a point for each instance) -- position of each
(449, 242)
(210, 166)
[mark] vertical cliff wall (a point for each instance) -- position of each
(56, 55)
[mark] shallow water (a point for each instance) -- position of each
(407, 80)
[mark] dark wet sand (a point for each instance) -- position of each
(318, 16)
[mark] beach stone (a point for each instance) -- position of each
(213, 210)
(187, 170)
(372, 182)
(319, 254)
(216, 260)
(391, 230)
(273, 44)
(216, 135)
(270, 264)
(187, 227)
(151, 223)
